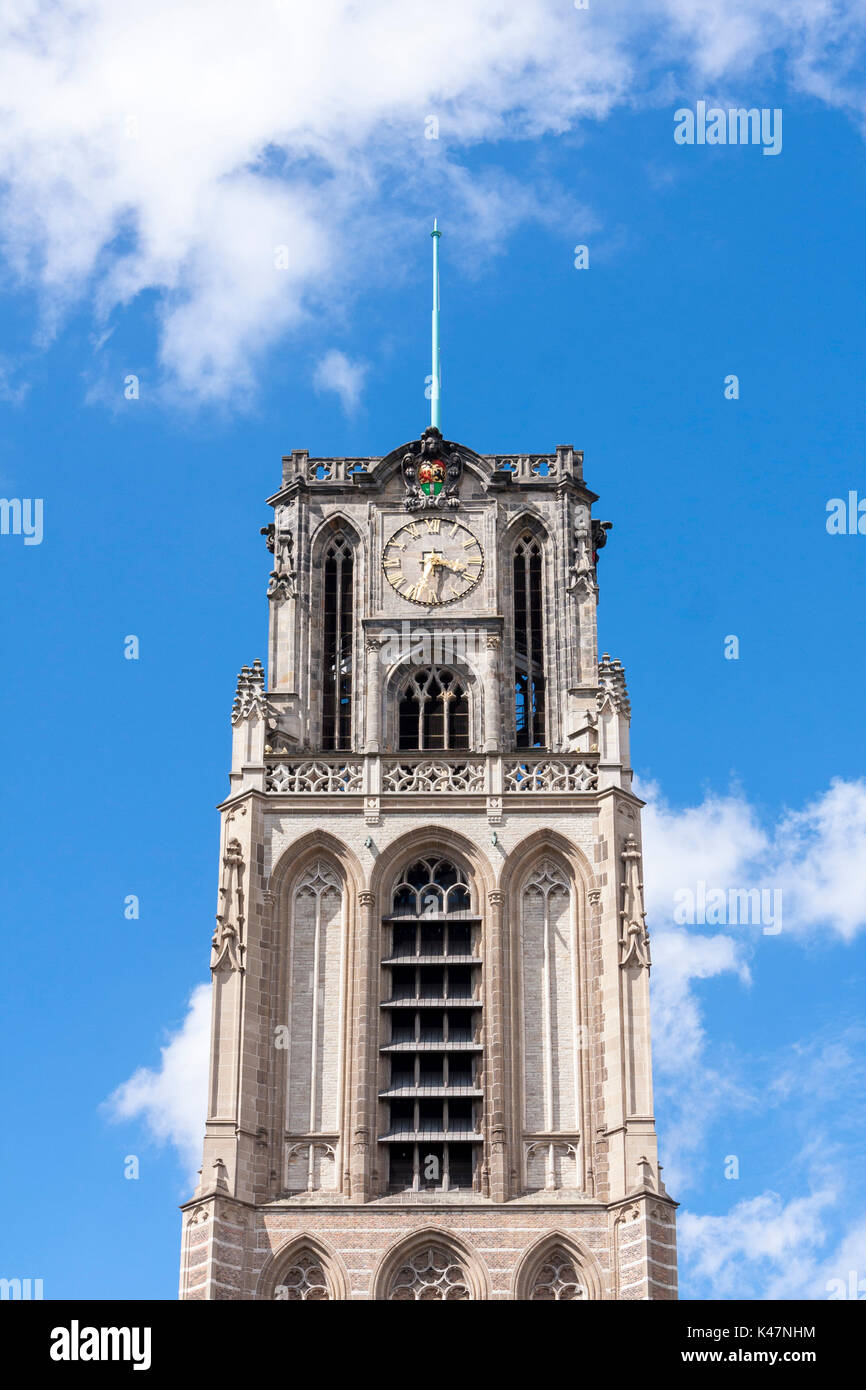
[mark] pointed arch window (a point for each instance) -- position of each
(304, 1281)
(529, 692)
(434, 711)
(431, 1034)
(556, 1279)
(431, 1275)
(339, 575)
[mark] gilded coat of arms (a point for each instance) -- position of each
(432, 471)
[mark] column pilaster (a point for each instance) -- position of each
(365, 1054)
(497, 1136)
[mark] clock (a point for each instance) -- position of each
(433, 560)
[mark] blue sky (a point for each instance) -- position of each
(152, 252)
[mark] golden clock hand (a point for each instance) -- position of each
(424, 581)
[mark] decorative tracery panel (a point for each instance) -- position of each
(431, 886)
(304, 1281)
(556, 1280)
(431, 1275)
(432, 775)
(433, 710)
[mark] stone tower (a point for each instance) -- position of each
(430, 1062)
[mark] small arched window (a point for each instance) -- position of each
(434, 711)
(339, 566)
(528, 644)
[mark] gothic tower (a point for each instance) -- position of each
(430, 1061)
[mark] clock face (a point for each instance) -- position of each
(433, 560)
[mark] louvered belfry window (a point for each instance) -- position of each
(432, 1031)
(337, 632)
(528, 644)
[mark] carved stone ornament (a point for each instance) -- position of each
(432, 470)
(634, 938)
(626, 1215)
(549, 775)
(226, 945)
(581, 577)
(250, 697)
(612, 686)
(282, 582)
(599, 537)
(220, 1175)
(434, 775)
(314, 775)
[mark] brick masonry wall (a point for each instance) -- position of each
(242, 1253)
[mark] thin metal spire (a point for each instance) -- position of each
(436, 375)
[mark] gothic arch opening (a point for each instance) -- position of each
(556, 1270)
(527, 560)
(304, 1271)
(304, 1280)
(431, 1267)
(431, 1274)
(556, 1279)
(338, 619)
(433, 710)
(431, 1030)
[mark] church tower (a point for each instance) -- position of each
(430, 1058)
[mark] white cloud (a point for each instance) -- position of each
(819, 858)
(679, 959)
(816, 856)
(716, 842)
(689, 1078)
(172, 148)
(172, 1100)
(767, 1247)
(337, 372)
(763, 1248)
